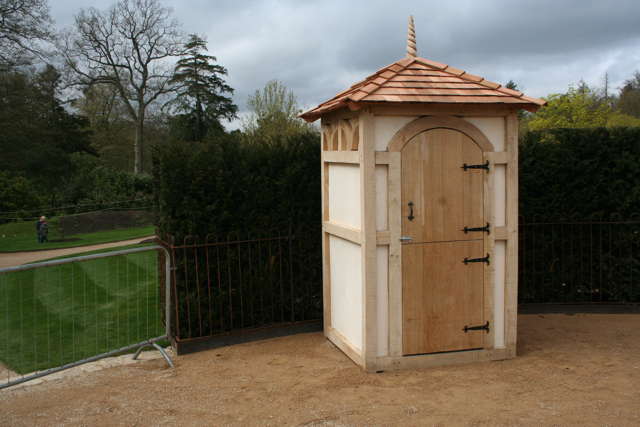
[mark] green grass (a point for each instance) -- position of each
(55, 315)
(21, 236)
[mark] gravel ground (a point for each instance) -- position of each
(582, 369)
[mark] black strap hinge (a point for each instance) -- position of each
(484, 166)
(486, 259)
(484, 327)
(486, 229)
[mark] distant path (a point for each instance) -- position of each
(17, 258)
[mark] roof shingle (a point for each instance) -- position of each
(415, 79)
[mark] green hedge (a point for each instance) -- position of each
(229, 190)
(580, 174)
(226, 185)
(575, 184)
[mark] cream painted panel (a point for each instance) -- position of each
(492, 127)
(500, 195)
(381, 197)
(387, 126)
(344, 195)
(382, 255)
(498, 260)
(346, 289)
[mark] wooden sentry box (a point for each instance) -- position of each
(420, 216)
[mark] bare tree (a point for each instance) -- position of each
(23, 24)
(130, 47)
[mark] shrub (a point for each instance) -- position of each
(580, 174)
(234, 189)
(18, 196)
(225, 185)
(93, 183)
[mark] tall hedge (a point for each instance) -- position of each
(569, 180)
(580, 174)
(226, 185)
(229, 189)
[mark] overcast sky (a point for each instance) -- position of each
(318, 48)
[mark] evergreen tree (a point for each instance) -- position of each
(629, 101)
(39, 136)
(200, 89)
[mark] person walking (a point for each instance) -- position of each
(42, 229)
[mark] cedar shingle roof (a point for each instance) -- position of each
(419, 80)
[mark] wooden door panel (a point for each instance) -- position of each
(441, 295)
(445, 197)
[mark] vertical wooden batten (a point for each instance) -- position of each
(395, 254)
(369, 237)
(326, 256)
(511, 268)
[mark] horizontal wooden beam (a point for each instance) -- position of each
(501, 233)
(343, 344)
(347, 233)
(440, 359)
(383, 237)
(497, 158)
(341, 156)
(383, 158)
(477, 110)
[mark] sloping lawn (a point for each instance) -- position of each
(50, 316)
(21, 236)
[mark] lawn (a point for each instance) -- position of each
(50, 316)
(21, 236)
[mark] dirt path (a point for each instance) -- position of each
(6, 374)
(17, 258)
(572, 370)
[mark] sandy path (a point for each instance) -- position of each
(17, 258)
(572, 370)
(6, 374)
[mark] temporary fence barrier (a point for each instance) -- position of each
(58, 314)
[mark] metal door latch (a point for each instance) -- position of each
(485, 229)
(406, 239)
(484, 327)
(486, 259)
(484, 166)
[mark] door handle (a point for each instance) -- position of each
(406, 239)
(410, 217)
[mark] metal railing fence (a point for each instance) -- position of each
(62, 313)
(244, 282)
(579, 262)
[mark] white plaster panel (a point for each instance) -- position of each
(382, 255)
(493, 129)
(387, 126)
(500, 195)
(344, 194)
(346, 289)
(381, 197)
(499, 262)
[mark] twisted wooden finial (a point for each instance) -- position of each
(411, 39)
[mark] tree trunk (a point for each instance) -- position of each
(138, 147)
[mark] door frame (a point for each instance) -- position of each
(397, 143)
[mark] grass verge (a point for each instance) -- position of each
(21, 236)
(50, 316)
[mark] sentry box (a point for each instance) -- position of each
(420, 215)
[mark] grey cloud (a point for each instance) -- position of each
(319, 48)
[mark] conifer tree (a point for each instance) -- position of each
(200, 92)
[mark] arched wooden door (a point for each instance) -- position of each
(441, 293)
